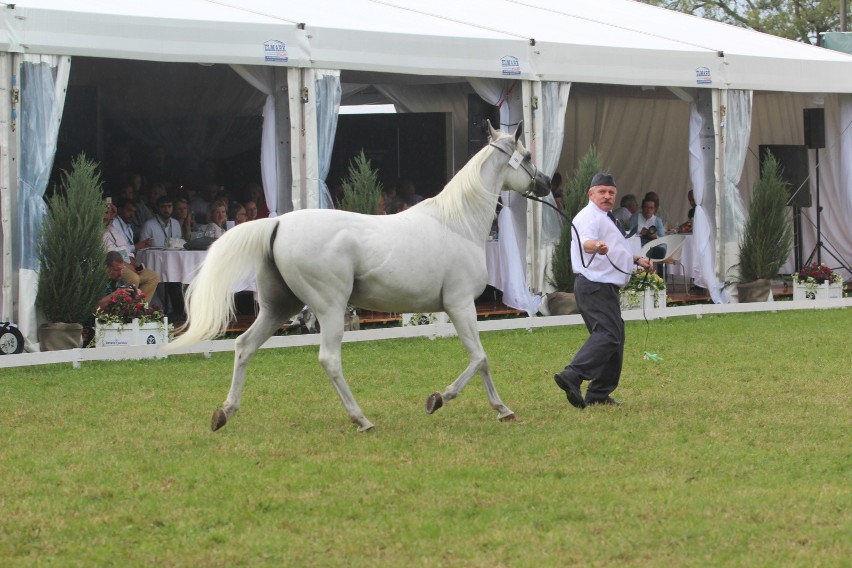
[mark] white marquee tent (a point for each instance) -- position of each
(671, 100)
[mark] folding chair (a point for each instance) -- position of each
(673, 250)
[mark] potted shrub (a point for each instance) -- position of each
(767, 237)
(71, 256)
(361, 188)
(575, 197)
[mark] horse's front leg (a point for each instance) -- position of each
(331, 336)
(464, 321)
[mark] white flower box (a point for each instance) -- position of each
(824, 291)
(425, 318)
(127, 334)
(649, 299)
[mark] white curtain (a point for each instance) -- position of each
(44, 79)
(554, 103)
(275, 169)
(702, 152)
(512, 221)
(553, 106)
(328, 93)
(737, 133)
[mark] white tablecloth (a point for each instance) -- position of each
(178, 265)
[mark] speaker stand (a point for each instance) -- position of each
(817, 252)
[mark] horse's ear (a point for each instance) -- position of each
(492, 134)
(519, 130)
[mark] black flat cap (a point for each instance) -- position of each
(602, 179)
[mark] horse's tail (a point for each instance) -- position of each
(231, 259)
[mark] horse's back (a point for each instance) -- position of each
(392, 262)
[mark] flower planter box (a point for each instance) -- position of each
(824, 291)
(134, 333)
(648, 299)
(424, 318)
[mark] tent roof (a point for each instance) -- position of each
(592, 41)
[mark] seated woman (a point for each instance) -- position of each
(218, 214)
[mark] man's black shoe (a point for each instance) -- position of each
(609, 401)
(572, 390)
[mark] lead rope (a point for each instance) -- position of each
(648, 356)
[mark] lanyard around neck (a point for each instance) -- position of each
(163, 227)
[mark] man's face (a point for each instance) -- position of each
(648, 209)
(127, 212)
(114, 270)
(165, 209)
(603, 196)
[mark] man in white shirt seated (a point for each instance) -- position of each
(629, 206)
(133, 272)
(163, 227)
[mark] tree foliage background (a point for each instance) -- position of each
(800, 20)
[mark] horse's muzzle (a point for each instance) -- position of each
(541, 185)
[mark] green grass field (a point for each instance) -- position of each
(735, 450)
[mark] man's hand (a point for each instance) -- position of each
(144, 243)
(595, 247)
(645, 263)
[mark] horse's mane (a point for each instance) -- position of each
(465, 204)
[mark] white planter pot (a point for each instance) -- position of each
(124, 335)
(649, 300)
(425, 318)
(824, 291)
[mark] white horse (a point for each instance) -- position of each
(428, 258)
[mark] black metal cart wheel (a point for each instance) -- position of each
(11, 340)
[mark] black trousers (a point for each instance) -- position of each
(600, 358)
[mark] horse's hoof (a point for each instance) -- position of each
(434, 402)
(219, 419)
(507, 417)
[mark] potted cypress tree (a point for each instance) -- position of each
(576, 196)
(767, 237)
(361, 188)
(71, 255)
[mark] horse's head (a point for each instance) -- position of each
(523, 173)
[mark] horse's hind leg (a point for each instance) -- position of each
(331, 335)
(465, 323)
(269, 318)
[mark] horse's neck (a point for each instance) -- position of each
(467, 204)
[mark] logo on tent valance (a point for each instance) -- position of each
(510, 65)
(702, 76)
(275, 50)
